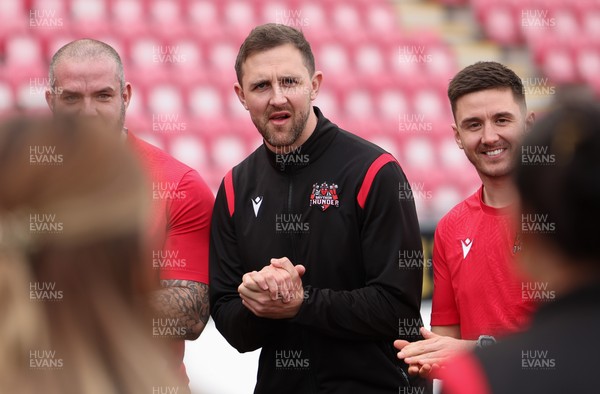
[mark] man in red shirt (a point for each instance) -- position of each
(86, 79)
(477, 292)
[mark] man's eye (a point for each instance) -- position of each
(70, 98)
(474, 125)
(261, 85)
(288, 81)
(104, 96)
(502, 121)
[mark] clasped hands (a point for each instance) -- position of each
(274, 292)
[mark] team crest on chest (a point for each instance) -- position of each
(324, 195)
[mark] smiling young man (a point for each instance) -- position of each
(305, 237)
(87, 80)
(477, 291)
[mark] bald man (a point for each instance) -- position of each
(87, 79)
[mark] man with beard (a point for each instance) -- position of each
(306, 234)
(87, 80)
(477, 291)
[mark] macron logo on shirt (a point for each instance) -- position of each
(466, 246)
(256, 202)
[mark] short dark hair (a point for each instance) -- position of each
(482, 76)
(568, 188)
(269, 36)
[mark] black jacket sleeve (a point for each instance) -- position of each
(391, 292)
(242, 329)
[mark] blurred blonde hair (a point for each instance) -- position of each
(82, 177)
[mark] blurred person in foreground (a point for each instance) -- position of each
(87, 80)
(305, 237)
(477, 293)
(558, 353)
(73, 205)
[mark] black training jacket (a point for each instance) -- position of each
(334, 206)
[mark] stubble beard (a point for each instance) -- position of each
(275, 138)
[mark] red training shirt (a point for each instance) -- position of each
(182, 207)
(476, 283)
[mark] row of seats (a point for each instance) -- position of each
(406, 58)
(344, 15)
(564, 37)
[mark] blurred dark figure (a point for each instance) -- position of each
(72, 210)
(558, 179)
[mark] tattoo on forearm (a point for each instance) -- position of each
(185, 303)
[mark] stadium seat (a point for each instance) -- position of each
(428, 102)
(189, 149)
(588, 62)
(221, 57)
(7, 100)
(558, 65)
(279, 12)
(444, 198)
(391, 104)
(165, 99)
(205, 101)
(419, 153)
(358, 104)
(205, 20)
(227, 151)
(500, 25)
(317, 29)
(387, 143)
(328, 102)
(129, 18)
(239, 18)
(347, 23)
(22, 51)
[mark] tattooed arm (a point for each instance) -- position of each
(186, 301)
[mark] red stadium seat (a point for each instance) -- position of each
(358, 104)
(558, 65)
(165, 99)
(500, 25)
(228, 150)
(129, 18)
(588, 62)
(23, 51)
(280, 12)
(419, 153)
(189, 149)
(328, 102)
(428, 102)
(392, 103)
(205, 20)
(7, 100)
(206, 101)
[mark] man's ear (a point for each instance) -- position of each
(457, 136)
(529, 121)
(49, 99)
(315, 83)
(126, 94)
(240, 94)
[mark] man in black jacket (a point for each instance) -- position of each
(306, 238)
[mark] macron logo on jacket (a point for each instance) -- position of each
(466, 246)
(256, 202)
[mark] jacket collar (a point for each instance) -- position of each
(289, 161)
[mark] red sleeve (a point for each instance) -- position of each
(464, 375)
(443, 309)
(188, 229)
